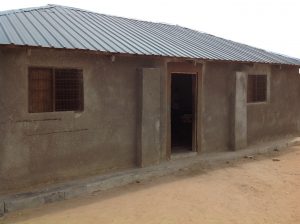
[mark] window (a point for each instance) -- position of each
(257, 88)
(55, 90)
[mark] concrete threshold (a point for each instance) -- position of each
(90, 185)
(182, 155)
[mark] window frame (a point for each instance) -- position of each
(54, 88)
(267, 100)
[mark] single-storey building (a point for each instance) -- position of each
(84, 93)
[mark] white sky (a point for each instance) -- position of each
(269, 24)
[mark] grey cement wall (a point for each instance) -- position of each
(240, 112)
(48, 147)
(41, 147)
(218, 89)
(281, 114)
(149, 142)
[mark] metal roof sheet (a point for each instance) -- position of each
(55, 26)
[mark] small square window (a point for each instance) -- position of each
(55, 90)
(257, 88)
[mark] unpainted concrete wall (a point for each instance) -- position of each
(280, 115)
(41, 147)
(45, 147)
(218, 89)
(239, 127)
(149, 142)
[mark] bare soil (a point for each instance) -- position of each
(260, 189)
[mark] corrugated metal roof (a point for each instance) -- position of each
(56, 26)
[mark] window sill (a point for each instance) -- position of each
(257, 103)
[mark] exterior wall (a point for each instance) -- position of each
(41, 147)
(218, 86)
(149, 134)
(115, 126)
(280, 115)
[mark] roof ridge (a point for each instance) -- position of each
(49, 6)
(104, 14)
(8, 12)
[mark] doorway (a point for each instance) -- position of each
(183, 104)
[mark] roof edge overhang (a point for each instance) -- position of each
(105, 53)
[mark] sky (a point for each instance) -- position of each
(269, 24)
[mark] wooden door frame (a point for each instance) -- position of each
(188, 68)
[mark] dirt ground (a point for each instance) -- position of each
(263, 189)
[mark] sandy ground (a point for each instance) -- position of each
(258, 190)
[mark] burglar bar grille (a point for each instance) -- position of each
(68, 90)
(257, 88)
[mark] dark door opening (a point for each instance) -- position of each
(182, 112)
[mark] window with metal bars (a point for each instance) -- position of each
(257, 88)
(55, 90)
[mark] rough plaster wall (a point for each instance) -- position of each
(39, 147)
(217, 106)
(280, 116)
(239, 129)
(1, 105)
(11, 156)
(149, 149)
(54, 146)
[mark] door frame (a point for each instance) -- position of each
(189, 68)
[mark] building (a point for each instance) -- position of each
(84, 93)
